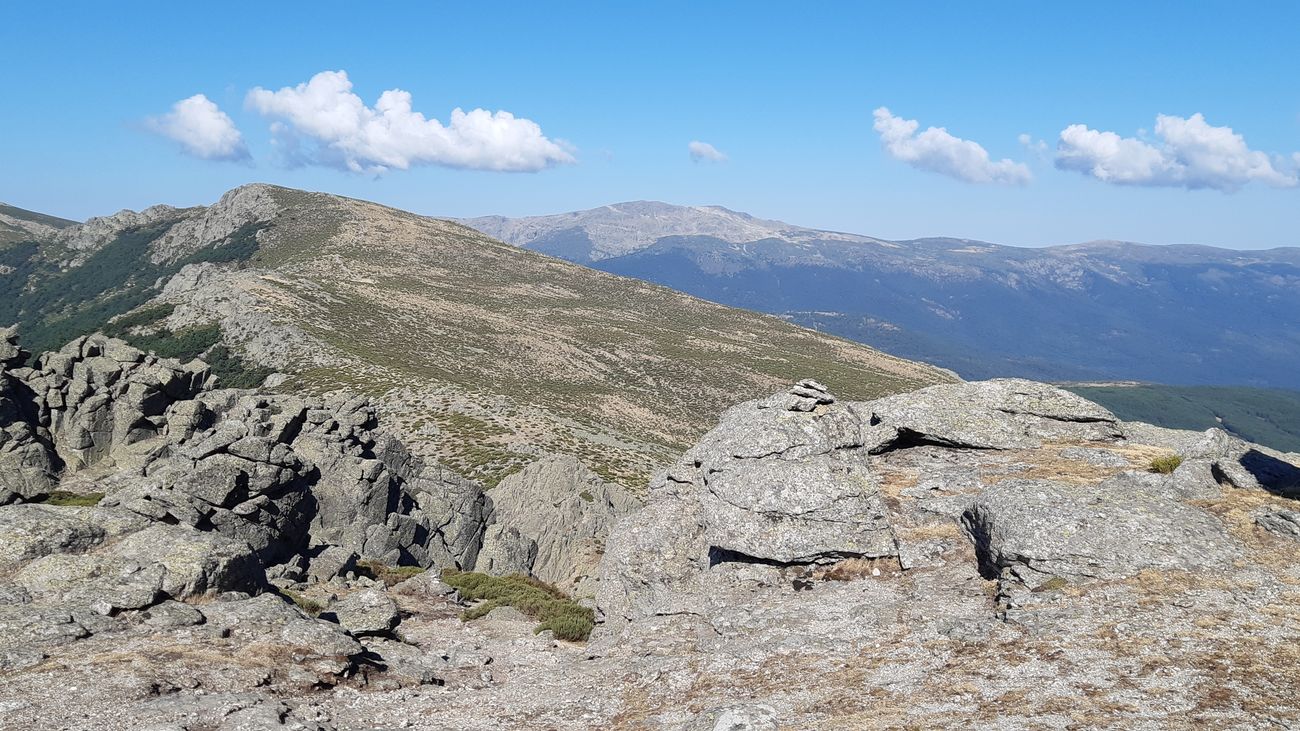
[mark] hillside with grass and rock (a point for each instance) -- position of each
(487, 358)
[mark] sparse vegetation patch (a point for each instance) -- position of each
(75, 499)
(390, 575)
(549, 606)
(1165, 465)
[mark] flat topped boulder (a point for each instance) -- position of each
(364, 612)
(1003, 413)
(1034, 530)
(780, 481)
(785, 479)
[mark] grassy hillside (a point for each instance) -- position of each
(18, 225)
(483, 355)
(494, 352)
(1263, 415)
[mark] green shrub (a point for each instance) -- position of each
(183, 345)
(233, 370)
(76, 499)
(1165, 465)
(553, 610)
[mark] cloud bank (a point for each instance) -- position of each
(704, 152)
(323, 122)
(1190, 153)
(201, 129)
(938, 151)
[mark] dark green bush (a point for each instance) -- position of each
(183, 345)
(233, 370)
(549, 606)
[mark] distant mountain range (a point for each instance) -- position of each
(1094, 311)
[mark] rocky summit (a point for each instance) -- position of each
(997, 554)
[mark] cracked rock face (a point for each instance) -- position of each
(278, 473)
(556, 491)
(796, 511)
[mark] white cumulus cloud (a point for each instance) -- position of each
(704, 152)
(340, 130)
(1189, 153)
(938, 151)
(202, 129)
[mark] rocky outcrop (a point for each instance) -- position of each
(82, 239)
(241, 208)
(186, 230)
(27, 467)
(280, 473)
(98, 399)
(787, 481)
(206, 292)
(203, 490)
(566, 511)
(1009, 413)
(780, 481)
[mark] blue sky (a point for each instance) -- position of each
(617, 91)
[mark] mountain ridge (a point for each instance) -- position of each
(639, 207)
(1181, 314)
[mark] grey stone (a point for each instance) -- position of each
(506, 614)
(364, 612)
(998, 414)
(195, 562)
(29, 625)
(32, 531)
(1279, 521)
(796, 511)
(170, 614)
(422, 667)
(566, 510)
(505, 551)
(271, 619)
(1031, 531)
(330, 563)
